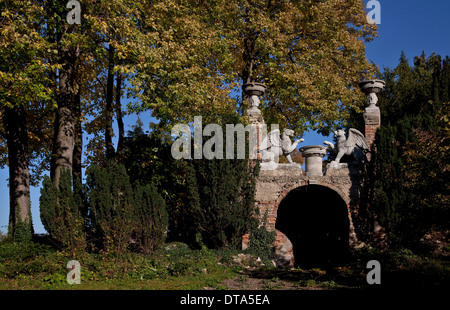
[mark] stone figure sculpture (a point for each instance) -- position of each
(273, 147)
(355, 145)
(372, 100)
(254, 103)
(371, 88)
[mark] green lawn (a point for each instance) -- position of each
(197, 282)
(176, 267)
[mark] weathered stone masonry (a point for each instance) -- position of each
(273, 185)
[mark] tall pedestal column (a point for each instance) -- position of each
(253, 91)
(372, 116)
(372, 121)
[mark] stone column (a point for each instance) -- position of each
(372, 123)
(372, 116)
(254, 90)
(313, 155)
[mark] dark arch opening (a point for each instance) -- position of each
(315, 219)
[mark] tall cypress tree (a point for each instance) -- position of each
(62, 213)
(221, 197)
(410, 191)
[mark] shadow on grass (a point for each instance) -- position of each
(415, 273)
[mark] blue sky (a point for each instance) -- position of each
(411, 26)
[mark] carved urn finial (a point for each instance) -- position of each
(372, 115)
(371, 88)
(254, 90)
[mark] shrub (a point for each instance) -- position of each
(124, 217)
(221, 198)
(262, 243)
(150, 219)
(148, 160)
(27, 259)
(110, 199)
(61, 214)
(19, 252)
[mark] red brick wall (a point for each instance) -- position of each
(370, 133)
(271, 207)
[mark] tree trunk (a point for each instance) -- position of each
(119, 116)
(15, 121)
(51, 37)
(78, 143)
(249, 55)
(109, 111)
(63, 145)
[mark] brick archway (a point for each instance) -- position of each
(313, 226)
(331, 186)
(274, 186)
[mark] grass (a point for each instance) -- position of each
(198, 282)
(34, 266)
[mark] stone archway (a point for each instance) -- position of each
(274, 186)
(341, 183)
(314, 221)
